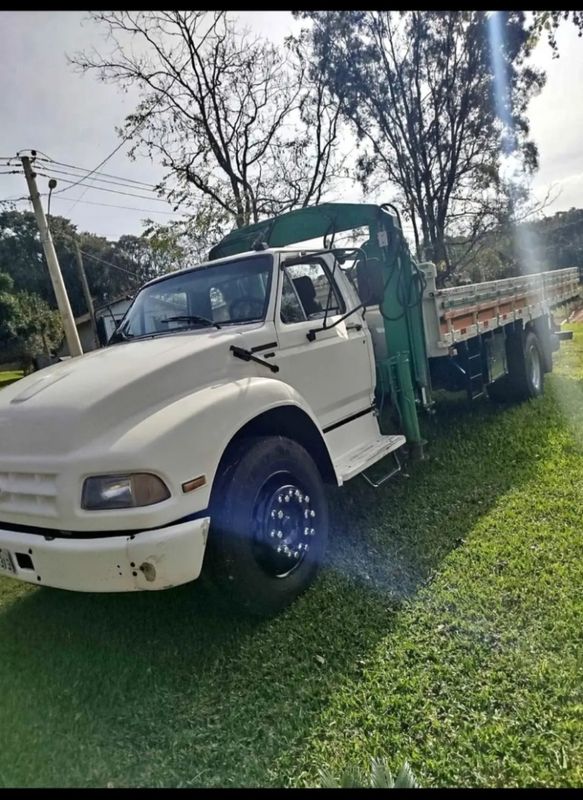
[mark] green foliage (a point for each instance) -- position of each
(8, 307)
(38, 327)
(380, 777)
(28, 319)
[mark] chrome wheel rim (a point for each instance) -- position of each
(285, 526)
(535, 367)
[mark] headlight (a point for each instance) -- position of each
(123, 491)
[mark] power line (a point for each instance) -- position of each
(113, 205)
(20, 199)
(93, 203)
(108, 264)
(105, 160)
(104, 189)
(116, 182)
(105, 174)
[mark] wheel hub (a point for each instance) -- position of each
(535, 367)
(286, 529)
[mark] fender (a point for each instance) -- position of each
(182, 440)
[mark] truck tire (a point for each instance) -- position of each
(269, 525)
(526, 368)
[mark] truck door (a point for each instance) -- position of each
(333, 371)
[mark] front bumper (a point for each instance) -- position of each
(156, 559)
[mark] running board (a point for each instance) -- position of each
(396, 469)
(360, 458)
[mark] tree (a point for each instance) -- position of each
(36, 325)
(421, 92)
(241, 127)
(27, 321)
(8, 309)
(548, 22)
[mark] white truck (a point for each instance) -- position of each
(203, 435)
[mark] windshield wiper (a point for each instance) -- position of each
(191, 318)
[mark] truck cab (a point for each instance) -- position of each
(249, 373)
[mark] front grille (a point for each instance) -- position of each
(33, 493)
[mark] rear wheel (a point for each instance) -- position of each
(269, 524)
(526, 373)
(525, 377)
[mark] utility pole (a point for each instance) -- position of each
(71, 334)
(86, 292)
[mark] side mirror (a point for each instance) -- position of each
(370, 282)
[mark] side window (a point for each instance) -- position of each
(291, 310)
(313, 289)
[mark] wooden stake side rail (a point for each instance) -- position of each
(466, 311)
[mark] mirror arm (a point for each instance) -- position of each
(311, 334)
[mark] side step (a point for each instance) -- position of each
(391, 474)
(364, 456)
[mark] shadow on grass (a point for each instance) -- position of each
(169, 689)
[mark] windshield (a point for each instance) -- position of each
(214, 295)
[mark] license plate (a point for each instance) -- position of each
(6, 564)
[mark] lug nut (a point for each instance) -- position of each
(312, 513)
(272, 534)
(280, 534)
(280, 514)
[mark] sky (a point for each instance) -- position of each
(46, 105)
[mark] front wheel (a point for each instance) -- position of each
(269, 524)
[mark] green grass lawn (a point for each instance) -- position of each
(446, 630)
(9, 377)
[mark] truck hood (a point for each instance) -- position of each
(61, 408)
